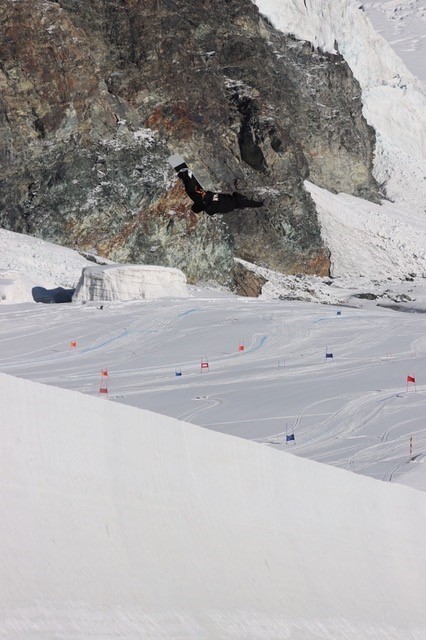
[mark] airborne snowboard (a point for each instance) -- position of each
(180, 166)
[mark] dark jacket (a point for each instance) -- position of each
(210, 201)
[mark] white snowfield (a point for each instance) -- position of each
(129, 282)
(355, 411)
(121, 523)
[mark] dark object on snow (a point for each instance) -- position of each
(209, 201)
(58, 295)
(366, 296)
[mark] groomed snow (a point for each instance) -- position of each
(354, 411)
(129, 282)
(121, 523)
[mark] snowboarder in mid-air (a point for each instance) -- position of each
(209, 201)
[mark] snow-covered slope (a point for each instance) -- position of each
(370, 240)
(121, 523)
(394, 100)
(44, 263)
(32, 269)
(403, 24)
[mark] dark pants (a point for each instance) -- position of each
(224, 202)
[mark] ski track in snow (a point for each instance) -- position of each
(351, 412)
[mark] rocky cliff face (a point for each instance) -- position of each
(95, 95)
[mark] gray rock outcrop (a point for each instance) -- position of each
(95, 96)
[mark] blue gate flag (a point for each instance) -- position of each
(290, 437)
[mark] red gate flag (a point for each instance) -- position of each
(411, 379)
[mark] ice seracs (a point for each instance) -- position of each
(370, 240)
(393, 98)
(129, 282)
